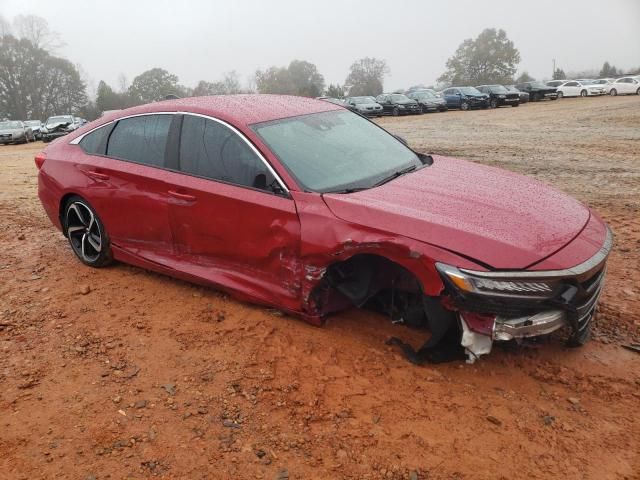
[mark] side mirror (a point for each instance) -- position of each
(260, 181)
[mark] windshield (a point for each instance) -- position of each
(5, 125)
(336, 150)
(498, 89)
(396, 97)
(33, 123)
(424, 95)
(357, 100)
(588, 82)
(538, 85)
(59, 120)
(470, 91)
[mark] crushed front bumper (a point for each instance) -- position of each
(522, 313)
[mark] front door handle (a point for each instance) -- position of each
(182, 196)
(97, 175)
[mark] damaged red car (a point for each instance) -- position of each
(310, 208)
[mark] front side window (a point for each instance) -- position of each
(212, 150)
(141, 139)
(336, 150)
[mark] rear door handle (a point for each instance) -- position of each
(97, 175)
(182, 196)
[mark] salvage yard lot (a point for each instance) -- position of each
(121, 373)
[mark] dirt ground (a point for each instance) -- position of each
(121, 373)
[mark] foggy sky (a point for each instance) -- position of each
(200, 40)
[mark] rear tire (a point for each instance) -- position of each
(86, 233)
(536, 97)
(515, 105)
(638, 92)
(395, 112)
(494, 103)
(613, 92)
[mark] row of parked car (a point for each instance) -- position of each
(423, 100)
(18, 131)
(586, 87)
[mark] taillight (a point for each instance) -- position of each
(40, 158)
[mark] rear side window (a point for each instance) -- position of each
(95, 143)
(212, 150)
(141, 139)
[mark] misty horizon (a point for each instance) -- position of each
(204, 40)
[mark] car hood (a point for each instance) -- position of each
(498, 218)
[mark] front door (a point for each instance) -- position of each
(230, 225)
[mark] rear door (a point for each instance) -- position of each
(232, 221)
(452, 96)
(125, 167)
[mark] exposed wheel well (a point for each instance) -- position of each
(370, 281)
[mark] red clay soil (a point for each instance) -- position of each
(121, 373)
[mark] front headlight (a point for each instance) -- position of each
(481, 283)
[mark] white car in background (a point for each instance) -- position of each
(625, 86)
(605, 82)
(575, 88)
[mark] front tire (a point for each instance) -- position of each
(395, 112)
(464, 106)
(613, 92)
(494, 103)
(515, 105)
(583, 93)
(560, 94)
(86, 233)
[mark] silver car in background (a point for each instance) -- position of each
(365, 106)
(15, 131)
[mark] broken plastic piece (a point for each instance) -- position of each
(475, 344)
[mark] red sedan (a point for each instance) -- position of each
(307, 207)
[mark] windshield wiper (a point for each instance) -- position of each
(395, 175)
(349, 190)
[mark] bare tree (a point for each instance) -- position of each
(5, 27)
(36, 30)
(123, 84)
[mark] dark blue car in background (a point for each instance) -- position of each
(465, 98)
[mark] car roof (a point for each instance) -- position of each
(244, 109)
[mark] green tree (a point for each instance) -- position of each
(490, 58)
(366, 76)
(108, 99)
(524, 77)
(559, 74)
(334, 91)
(229, 84)
(35, 84)
(299, 78)
(608, 70)
(154, 85)
(305, 79)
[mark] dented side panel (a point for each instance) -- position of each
(326, 240)
(238, 236)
